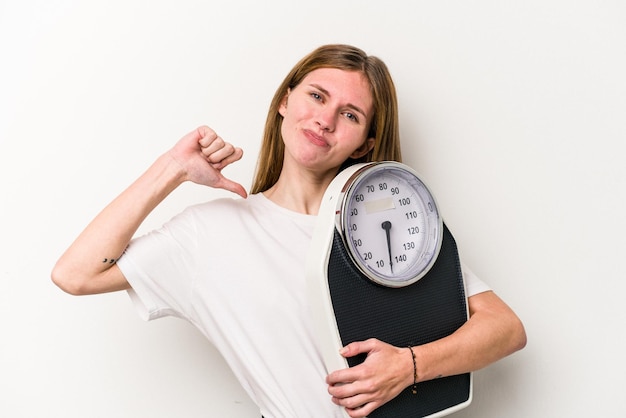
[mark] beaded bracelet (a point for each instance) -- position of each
(414, 389)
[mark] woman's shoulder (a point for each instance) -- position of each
(255, 208)
(227, 206)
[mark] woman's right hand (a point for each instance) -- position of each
(202, 154)
(199, 156)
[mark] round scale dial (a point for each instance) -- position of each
(390, 224)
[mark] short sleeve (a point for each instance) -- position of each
(473, 285)
(159, 267)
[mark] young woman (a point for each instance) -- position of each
(235, 267)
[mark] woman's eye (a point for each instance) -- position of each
(352, 116)
(316, 96)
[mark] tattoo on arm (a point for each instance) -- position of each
(113, 260)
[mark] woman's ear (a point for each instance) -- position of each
(282, 109)
(366, 147)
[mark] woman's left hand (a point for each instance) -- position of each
(386, 371)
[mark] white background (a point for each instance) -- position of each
(514, 113)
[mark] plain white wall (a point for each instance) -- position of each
(514, 112)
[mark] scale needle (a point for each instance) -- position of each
(387, 227)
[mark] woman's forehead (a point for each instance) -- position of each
(343, 85)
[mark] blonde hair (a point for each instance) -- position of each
(384, 126)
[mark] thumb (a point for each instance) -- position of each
(356, 348)
(232, 186)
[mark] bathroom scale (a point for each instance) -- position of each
(383, 264)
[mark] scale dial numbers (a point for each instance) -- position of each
(390, 224)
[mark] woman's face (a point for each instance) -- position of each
(326, 119)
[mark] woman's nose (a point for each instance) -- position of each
(326, 119)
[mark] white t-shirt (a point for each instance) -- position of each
(235, 268)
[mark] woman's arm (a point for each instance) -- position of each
(492, 332)
(89, 264)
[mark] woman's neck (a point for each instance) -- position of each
(300, 192)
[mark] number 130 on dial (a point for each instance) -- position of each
(390, 224)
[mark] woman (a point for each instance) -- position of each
(234, 267)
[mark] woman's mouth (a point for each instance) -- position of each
(316, 139)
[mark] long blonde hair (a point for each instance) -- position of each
(384, 127)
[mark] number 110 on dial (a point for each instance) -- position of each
(390, 224)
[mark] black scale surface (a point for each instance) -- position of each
(430, 309)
